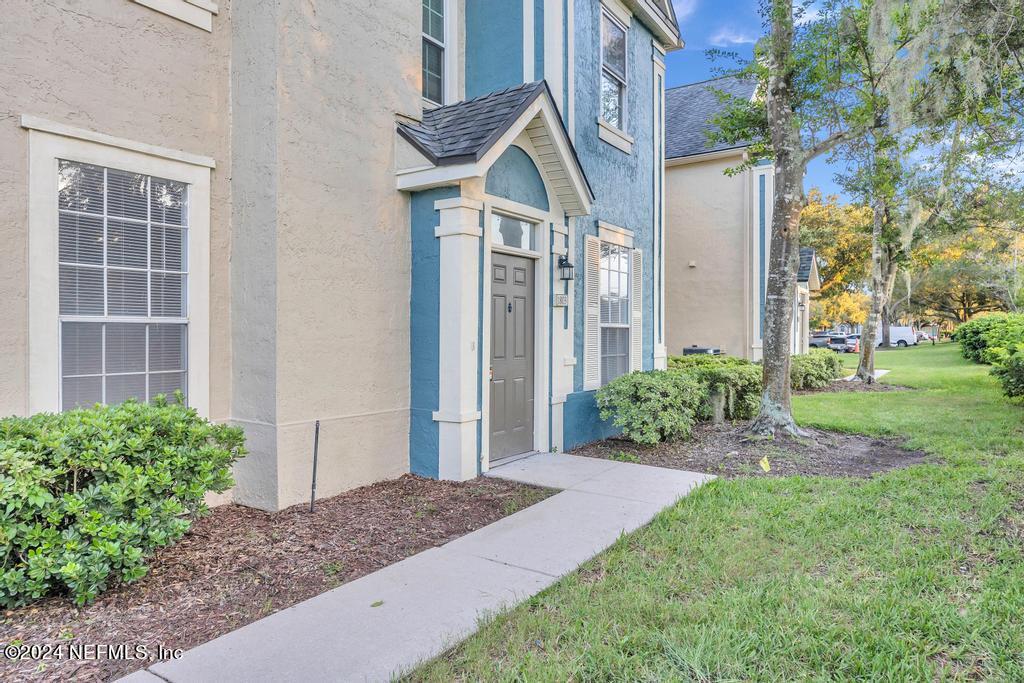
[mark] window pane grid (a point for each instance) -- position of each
(433, 50)
(613, 71)
(614, 311)
(123, 285)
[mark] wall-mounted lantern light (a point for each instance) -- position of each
(565, 268)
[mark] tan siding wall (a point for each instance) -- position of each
(708, 223)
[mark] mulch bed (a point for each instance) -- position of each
(726, 451)
(841, 386)
(238, 565)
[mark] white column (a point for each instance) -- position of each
(457, 414)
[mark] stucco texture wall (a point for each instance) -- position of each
(118, 68)
(707, 222)
(343, 264)
(623, 186)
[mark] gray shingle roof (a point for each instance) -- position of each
(806, 261)
(464, 131)
(689, 110)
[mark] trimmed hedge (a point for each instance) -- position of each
(740, 383)
(997, 340)
(992, 338)
(815, 369)
(1011, 373)
(89, 494)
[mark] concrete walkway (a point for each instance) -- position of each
(877, 373)
(387, 622)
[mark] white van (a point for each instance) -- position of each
(899, 336)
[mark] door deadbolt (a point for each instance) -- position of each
(510, 307)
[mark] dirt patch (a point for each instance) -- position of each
(841, 386)
(238, 565)
(726, 451)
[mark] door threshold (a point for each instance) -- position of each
(512, 458)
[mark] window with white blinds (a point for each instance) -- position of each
(122, 250)
(616, 315)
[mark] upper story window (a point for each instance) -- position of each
(433, 50)
(613, 71)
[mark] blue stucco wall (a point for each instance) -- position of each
(494, 45)
(514, 176)
(424, 348)
(538, 40)
(582, 423)
(624, 188)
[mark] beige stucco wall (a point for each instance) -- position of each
(708, 223)
(122, 69)
(333, 315)
(309, 237)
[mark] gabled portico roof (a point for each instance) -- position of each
(464, 139)
(808, 271)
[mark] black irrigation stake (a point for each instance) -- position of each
(316, 447)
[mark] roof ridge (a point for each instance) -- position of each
(707, 80)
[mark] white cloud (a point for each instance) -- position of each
(727, 36)
(809, 16)
(684, 8)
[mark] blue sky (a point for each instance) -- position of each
(731, 25)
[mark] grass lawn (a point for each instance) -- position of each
(912, 575)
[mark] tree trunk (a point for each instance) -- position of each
(783, 263)
(776, 415)
(886, 323)
(869, 338)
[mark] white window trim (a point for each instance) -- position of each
(199, 13)
(628, 325)
(45, 149)
(614, 135)
(449, 55)
(613, 234)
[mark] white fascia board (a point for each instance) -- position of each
(708, 156)
(553, 123)
(652, 18)
(437, 176)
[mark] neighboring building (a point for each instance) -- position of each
(263, 205)
(718, 230)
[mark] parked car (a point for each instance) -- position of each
(853, 343)
(923, 336)
(837, 344)
(900, 336)
(819, 340)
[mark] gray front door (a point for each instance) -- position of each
(511, 408)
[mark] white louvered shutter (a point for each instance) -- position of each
(591, 313)
(636, 301)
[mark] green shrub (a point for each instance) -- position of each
(651, 407)
(739, 382)
(978, 336)
(703, 360)
(815, 370)
(1011, 373)
(1002, 338)
(89, 494)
